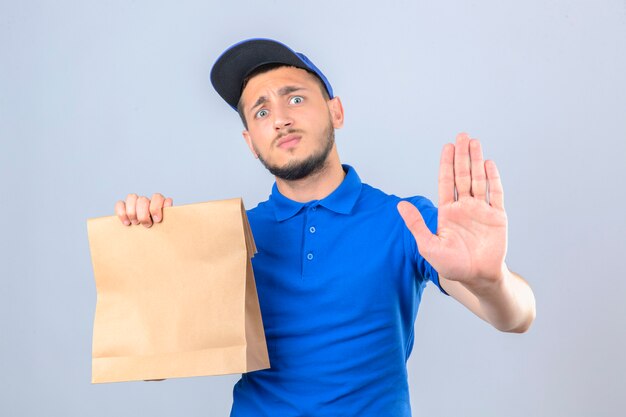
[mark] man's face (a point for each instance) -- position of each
(290, 123)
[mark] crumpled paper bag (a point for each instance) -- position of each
(177, 299)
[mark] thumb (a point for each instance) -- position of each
(415, 222)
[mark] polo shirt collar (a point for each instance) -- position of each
(341, 201)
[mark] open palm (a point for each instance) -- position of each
(471, 237)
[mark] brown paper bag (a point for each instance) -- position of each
(177, 299)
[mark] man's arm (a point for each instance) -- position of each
(509, 305)
(470, 246)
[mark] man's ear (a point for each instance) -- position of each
(336, 112)
(246, 136)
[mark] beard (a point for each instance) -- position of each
(297, 170)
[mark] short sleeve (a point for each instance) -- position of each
(429, 214)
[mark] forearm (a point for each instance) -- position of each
(507, 304)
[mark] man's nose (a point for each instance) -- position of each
(282, 119)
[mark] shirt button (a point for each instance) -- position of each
(312, 229)
(314, 208)
(309, 256)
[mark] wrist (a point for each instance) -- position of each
(489, 284)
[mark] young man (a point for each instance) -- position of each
(341, 266)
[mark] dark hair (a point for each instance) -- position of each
(266, 68)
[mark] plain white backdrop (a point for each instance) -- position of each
(100, 99)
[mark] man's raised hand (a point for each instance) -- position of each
(471, 240)
(141, 210)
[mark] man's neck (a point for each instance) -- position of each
(315, 186)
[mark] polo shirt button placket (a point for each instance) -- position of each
(309, 254)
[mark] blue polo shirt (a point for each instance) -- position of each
(339, 283)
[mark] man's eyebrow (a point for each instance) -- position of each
(288, 89)
(257, 103)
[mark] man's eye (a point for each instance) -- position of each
(296, 100)
(261, 113)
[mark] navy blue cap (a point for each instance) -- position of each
(238, 61)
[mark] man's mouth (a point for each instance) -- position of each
(288, 141)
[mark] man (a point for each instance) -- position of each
(341, 265)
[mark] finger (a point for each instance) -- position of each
(131, 208)
(415, 222)
(168, 202)
(496, 193)
(446, 175)
(143, 211)
(120, 211)
(462, 177)
(156, 207)
(479, 179)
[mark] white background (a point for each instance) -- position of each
(102, 98)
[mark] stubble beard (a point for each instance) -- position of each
(297, 170)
